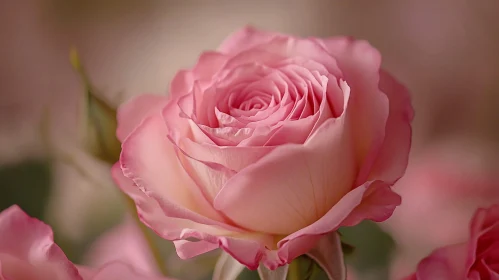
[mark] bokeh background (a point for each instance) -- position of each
(444, 51)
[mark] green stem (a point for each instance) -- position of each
(294, 270)
(147, 236)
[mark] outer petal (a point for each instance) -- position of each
(133, 112)
(181, 84)
(151, 212)
(444, 263)
(247, 249)
(394, 154)
(149, 159)
(30, 240)
(373, 201)
(292, 186)
(368, 107)
(246, 38)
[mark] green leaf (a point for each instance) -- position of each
(347, 249)
(98, 121)
(305, 268)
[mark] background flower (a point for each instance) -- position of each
(441, 190)
(475, 259)
(28, 251)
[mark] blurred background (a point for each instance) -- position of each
(444, 51)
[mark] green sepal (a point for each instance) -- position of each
(98, 120)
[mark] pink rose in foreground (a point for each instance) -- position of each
(266, 145)
(441, 190)
(28, 252)
(477, 259)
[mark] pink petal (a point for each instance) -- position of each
(444, 263)
(293, 132)
(373, 200)
(187, 249)
(368, 107)
(290, 188)
(133, 112)
(246, 248)
(246, 38)
(30, 242)
(236, 158)
(124, 243)
(148, 158)
(181, 84)
(207, 66)
(393, 157)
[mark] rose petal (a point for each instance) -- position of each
(208, 64)
(235, 157)
(245, 247)
(29, 243)
(444, 263)
(181, 84)
(133, 112)
(149, 160)
(151, 213)
(374, 201)
(393, 156)
(245, 38)
(368, 107)
(274, 195)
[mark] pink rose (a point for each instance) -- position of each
(28, 252)
(266, 145)
(442, 188)
(476, 259)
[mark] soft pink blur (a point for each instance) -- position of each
(476, 259)
(441, 190)
(124, 243)
(28, 252)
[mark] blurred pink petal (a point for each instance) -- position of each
(28, 251)
(124, 243)
(476, 259)
(443, 186)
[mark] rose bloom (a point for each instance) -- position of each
(265, 145)
(28, 252)
(476, 259)
(444, 185)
